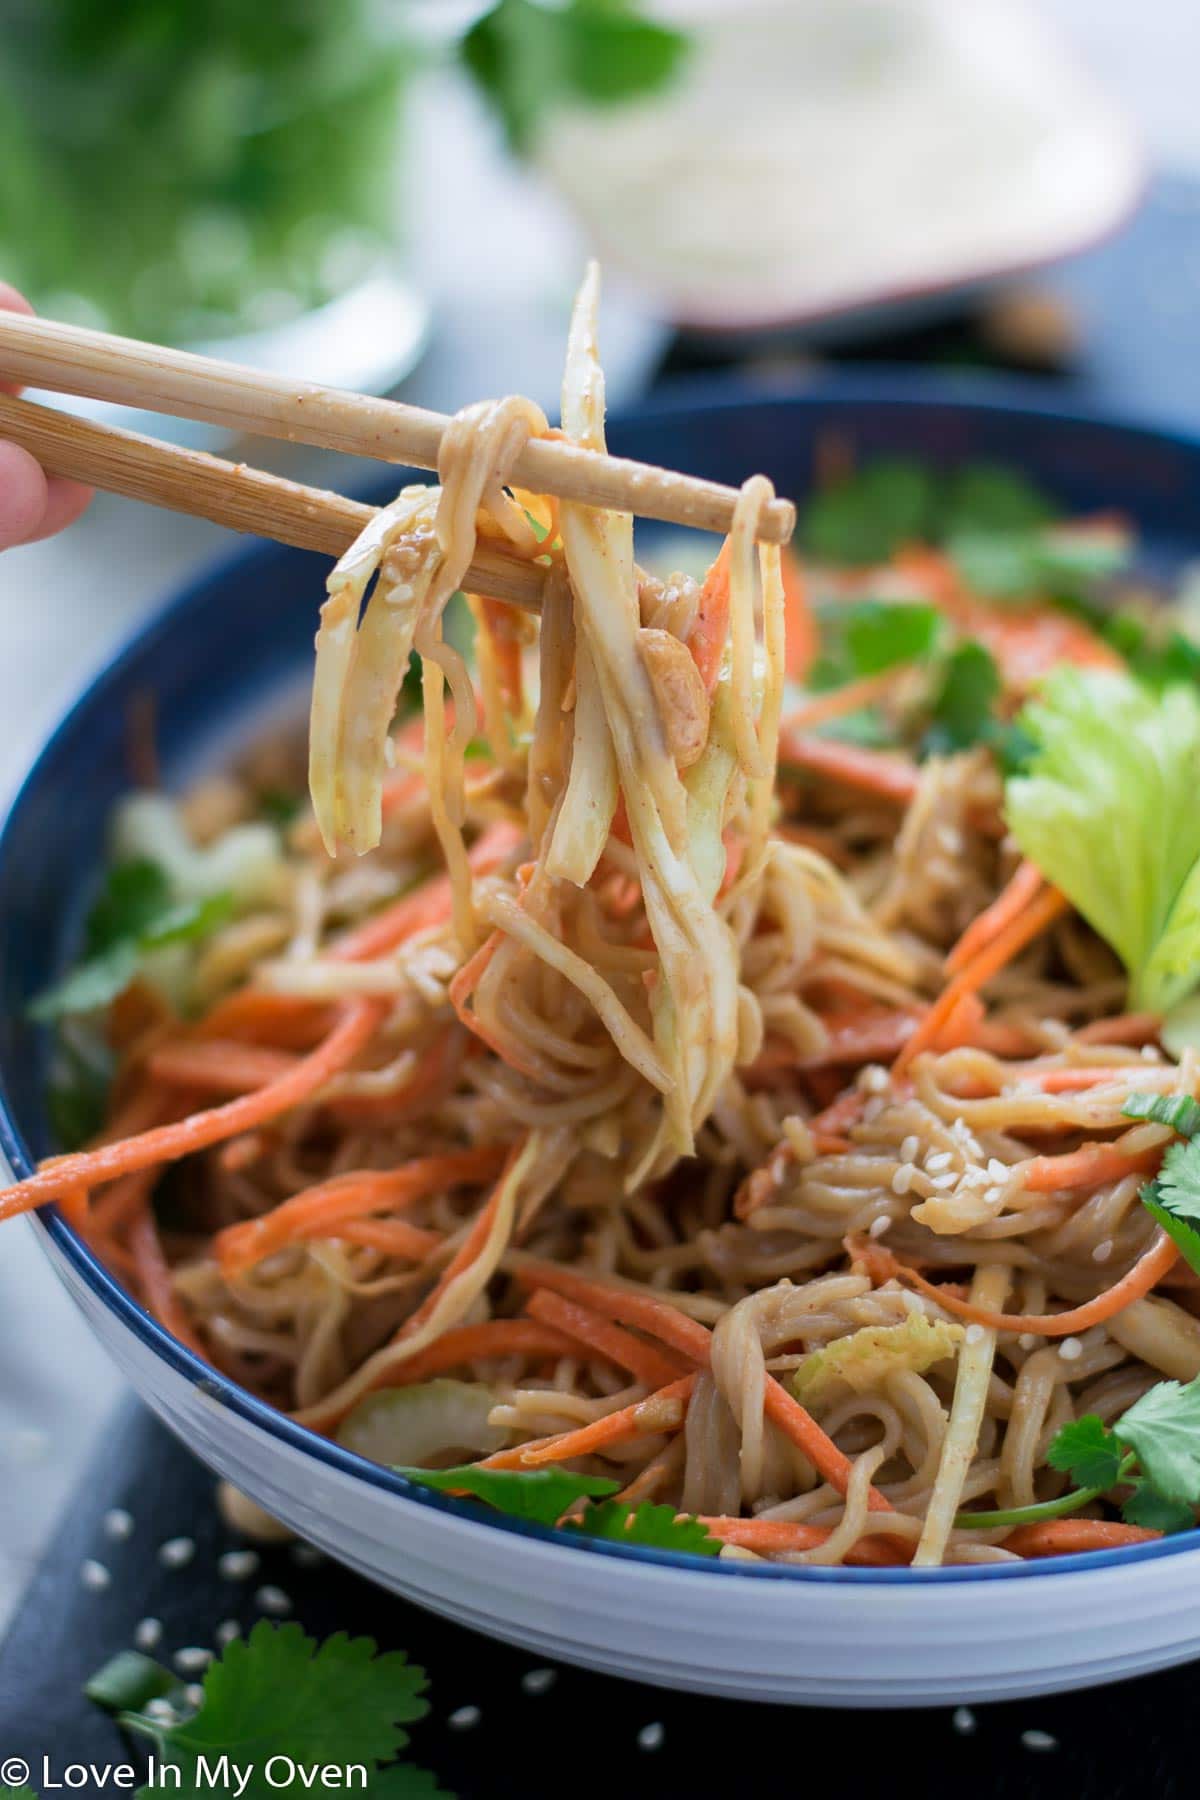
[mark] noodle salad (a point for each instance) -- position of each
(715, 1067)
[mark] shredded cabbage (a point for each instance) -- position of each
(865, 1359)
(423, 1424)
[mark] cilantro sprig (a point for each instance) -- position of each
(278, 1694)
(545, 1495)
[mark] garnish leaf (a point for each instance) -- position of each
(866, 518)
(1178, 1181)
(866, 637)
(1163, 1430)
(992, 497)
(659, 1527)
(135, 892)
(962, 712)
(1107, 810)
(17, 1793)
(128, 1680)
(1185, 1237)
(277, 1694)
(1087, 1450)
(1145, 1506)
(1179, 1111)
(542, 1495)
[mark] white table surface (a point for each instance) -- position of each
(65, 604)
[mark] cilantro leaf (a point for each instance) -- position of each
(279, 806)
(1185, 1237)
(1163, 1431)
(133, 895)
(1179, 1111)
(660, 1527)
(18, 1793)
(962, 709)
(404, 1782)
(542, 1495)
(1178, 1181)
(595, 51)
(1147, 1507)
(1060, 562)
(1087, 1450)
(865, 637)
(276, 1693)
(128, 1680)
(866, 518)
(992, 497)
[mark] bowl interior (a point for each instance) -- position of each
(237, 645)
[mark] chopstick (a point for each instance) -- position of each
(190, 481)
(73, 360)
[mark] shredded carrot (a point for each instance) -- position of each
(770, 1536)
(1125, 1028)
(425, 906)
(395, 1237)
(218, 1065)
(802, 636)
(1145, 1274)
(819, 709)
(1021, 891)
(1076, 1078)
(468, 1250)
(873, 1034)
(323, 1210)
(1064, 1537)
(1089, 1166)
(707, 640)
(285, 1021)
(884, 773)
(154, 1277)
(168, 1143)
(432, 1080)
(661, 1411)
(500, 621)
(604, 1338)
(465, 1344)
(987, 963)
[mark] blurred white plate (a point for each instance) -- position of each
(823, 156)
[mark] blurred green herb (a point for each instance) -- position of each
(867, 517)
(867, 637)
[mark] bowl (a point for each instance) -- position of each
(217, 660)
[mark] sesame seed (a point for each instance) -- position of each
(161, 1711)
(1149, 1053)
(226, 1631)
(937, 1160)
(273, 1600)
(1070, 1349)
(1027, 1340)
(118, 1524)
(963, 1721)
(193, 1693)
(878, 1227)
(1103, 1250)
(94, 1576)
(874, 1079)
(238, 1565)
(1039, 1740)
(997, 1171)
(306, 1556)
(974, 1334)
(910, 1148)
(147, 1634)
(902, 1179)
(177, 1553)
(464, 1718)
(539, 1681)
(650, 1737)
(943, 1183)
(993, 1196)
(192, 1660)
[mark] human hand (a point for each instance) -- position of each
(32, 504)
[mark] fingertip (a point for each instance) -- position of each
(65, 500)
(23, 496)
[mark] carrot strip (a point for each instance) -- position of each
(708, 635)
(158, 1289)
(1079, 1077)
(467, 1251)
(601, 1336)
(1089, 1166)
(435, 1076)
(662, 1411)
(770, 1536)
(500, 622)
(466, 1344)
(876, 1034)
(426, 905)
(1021, 891)
(1145, 1274)
(1064, 1537)
(801, 634)
(219, 1065)
(883, 773)
(1007, 943)
(819, 709)
(286, 1021)
(1125, 1028)
(322, 1211)
(395, 1237)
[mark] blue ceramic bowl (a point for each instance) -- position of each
(215, 660)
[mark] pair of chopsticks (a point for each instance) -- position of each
(69, 359)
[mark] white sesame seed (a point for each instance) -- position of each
(950, 838)
(94, 1576)
(177, 1553)
(874, 1079)
(1070, 1349)
(910, 1148)
(193, 1659)
(974, 1334)
(147, 1634)
(193, 1693)
(650, 1737)
(161, 1711)
(1039, 1740)
(306, 1556)
(880, 1226)
(226, 1631)
(993, 1196)
(464, 1718)
(539, 1681)
(1027, 1340)
(997, 1171)
(118, 1524)
(943, 1183)
(238, 1565)
(1103, 1250)
(273, 1600)
(1149, 1053)
(963, 1721)
(937, 1160)
(902, 1179)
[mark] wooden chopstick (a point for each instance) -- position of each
(73, 360)
(190, 481)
